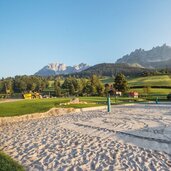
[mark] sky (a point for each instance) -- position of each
(34, 33)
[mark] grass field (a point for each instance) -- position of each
(102, 100)
(153, 91)
(8, 164)
(29, 106)
(159, 80)
(163, 80)
(38, 105)
(42, 105)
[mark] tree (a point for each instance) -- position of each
(57, 83)
(58, 91)
(71, 89)
(97, 86)
(87, 88)
(19, 85)
(57, 88)
(7, 85)
(93, 86)
(42, 85)
(69, 85)
(100, 89)
(79, 87)
(120, 83)
(107, 89)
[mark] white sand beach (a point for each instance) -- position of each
(136, 137)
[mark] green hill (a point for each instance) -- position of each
(111, 69)
(157, 85)
(158, 80)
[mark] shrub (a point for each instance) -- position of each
(169, 97)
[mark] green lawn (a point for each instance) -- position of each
(29, 106)
(103, 100)
(93, 99)
(98, 100)
(8, 164)
(42, 105)
(153, 91)
(159, 80)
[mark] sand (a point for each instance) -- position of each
(9, 100)
(134, 137)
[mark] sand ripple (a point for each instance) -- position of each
(130, 138)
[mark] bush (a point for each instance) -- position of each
(169, 97)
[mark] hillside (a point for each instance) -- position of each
(157, 57)
(111, 69)
(159, 80)
(158, 85)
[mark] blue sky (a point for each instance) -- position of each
(34, 33)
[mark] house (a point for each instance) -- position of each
(118, 93)
(133, 94)
(114, 92)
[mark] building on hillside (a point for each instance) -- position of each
(114, 92)
(133, 94)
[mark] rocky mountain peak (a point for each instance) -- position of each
(57, 66)
(157, 57)
(60, 68)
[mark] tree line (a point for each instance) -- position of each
(20, 84)
(69, 86)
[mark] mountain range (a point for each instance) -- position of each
(157, 58)
(60, 68)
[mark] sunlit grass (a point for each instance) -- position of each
(8, 164)
(153, 91)
(159, 80)
(30, 106)
(42, 105)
